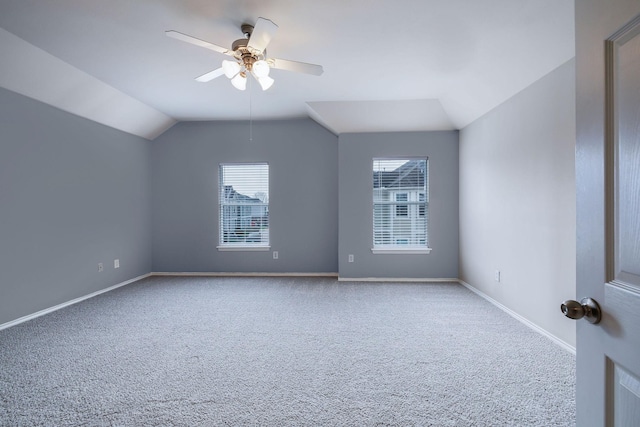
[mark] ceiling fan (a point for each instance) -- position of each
(249, 56)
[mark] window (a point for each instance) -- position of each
(402, 210)
(400, 206)
(244, 206)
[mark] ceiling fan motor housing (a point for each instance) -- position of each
(242, 52)
(239, 44)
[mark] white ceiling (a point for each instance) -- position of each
(388, 65)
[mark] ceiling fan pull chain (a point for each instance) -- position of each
(250, 112)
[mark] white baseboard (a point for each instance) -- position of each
(231, 274)
(518, 317)
(68, 303)
(397, 279)
(510, 312)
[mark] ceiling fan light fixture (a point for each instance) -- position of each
(239, 81)
(249, 56)
(261, 68)
(265, 82)
(231, 68)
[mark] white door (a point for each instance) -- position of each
(608, 209)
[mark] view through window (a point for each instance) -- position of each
(244, 204)
(400, 203)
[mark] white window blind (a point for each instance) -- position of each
(244, 205)
(400, 204)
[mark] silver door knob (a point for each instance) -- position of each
(587, 308)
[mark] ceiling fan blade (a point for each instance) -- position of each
(298, 67)
(262, 33)
(185, 38)
(210, 75)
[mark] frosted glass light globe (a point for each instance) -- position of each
(261, 68)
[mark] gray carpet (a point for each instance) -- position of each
(277, 352)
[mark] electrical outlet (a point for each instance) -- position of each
(275, 254)
(350, 257)
(100, 267)
(116, 263)
(497, 275)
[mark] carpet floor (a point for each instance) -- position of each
(175, 351)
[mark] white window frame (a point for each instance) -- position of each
(246, 202)
(417, 210)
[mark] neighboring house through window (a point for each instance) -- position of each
(402, 210)
(244, 206)
(400, 205)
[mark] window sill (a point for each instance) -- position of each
(400, 251)
(240, 248)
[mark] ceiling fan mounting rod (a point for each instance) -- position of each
(247, 30)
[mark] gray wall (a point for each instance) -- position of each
(356, 152)
(303, 206)
(517, 202)
(73, 193)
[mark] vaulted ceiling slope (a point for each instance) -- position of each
(388, 66)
